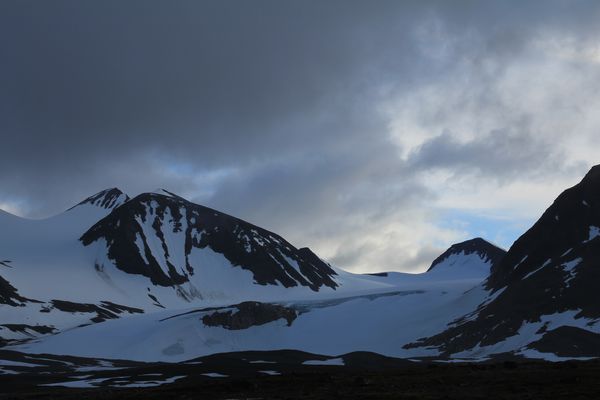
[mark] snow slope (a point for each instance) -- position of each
(136, 265)
(381, 323)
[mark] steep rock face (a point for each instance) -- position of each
(549, 272)
(155, 235)
(477, 248)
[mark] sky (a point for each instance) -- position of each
(376, 133)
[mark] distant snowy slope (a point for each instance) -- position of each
(44, 283)
(111, 256)
(380, 323)
(469, 257)
(358, 315)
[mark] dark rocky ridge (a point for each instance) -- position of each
(247, 246)
(484, 249)
(9, 294)
(24, 328)
(249, 313)
(550, 269)
(106, 309)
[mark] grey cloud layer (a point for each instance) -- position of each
(271, 110)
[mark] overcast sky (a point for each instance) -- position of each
(375, 132)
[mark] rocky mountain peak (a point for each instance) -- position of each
(480, 247)
(108, 199)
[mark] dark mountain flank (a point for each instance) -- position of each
(167, 226)
(484, 249)
(9, 294)
(554, 267)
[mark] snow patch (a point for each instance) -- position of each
(594, 232)
(214, 375)
(548, 261)
(570, 268)
(269, 372)
(521, 262)
(333, 361)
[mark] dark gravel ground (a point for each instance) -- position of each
(366, 376)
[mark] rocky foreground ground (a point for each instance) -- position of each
(364, 376)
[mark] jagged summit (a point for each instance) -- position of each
(108, 199)
(486, 251)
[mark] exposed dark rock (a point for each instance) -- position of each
(381, 274)
(155, 300)
(9, 294)
(484, 249)
(270, 258)
(23, 328)
(249, 313)
(569, 341)
(106, 310)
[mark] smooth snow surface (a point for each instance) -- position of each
(329, 326)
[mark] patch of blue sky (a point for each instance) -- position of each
(496, 226)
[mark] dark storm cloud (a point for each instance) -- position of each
(89, 84)
(271, 110)
(501, 154)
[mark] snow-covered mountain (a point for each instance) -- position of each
(110, 255)
(158, 255)
(170, 241)
(542, 293)
(158, 278)
(464, 256)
